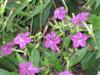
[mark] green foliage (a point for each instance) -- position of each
(89, 61)
(77, 57)
(19, 58)
(95, 20)
(66, 42)
(52, 59)
(4, 72)
(20, 12)
(97, 3)
(35, 57)
(33, 15)
(9, 63)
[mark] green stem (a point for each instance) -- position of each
(19, 51)
(86, 26)
(63, 1)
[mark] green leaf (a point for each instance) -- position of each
(77, 57)
(35, 57)
(19, 58)
(66, 42)
(4, 72)
(89, 61)
(96, 25)
(12, 73)
(1, 9)
(97, 3)
(23, 5)
(39, 9)
(9, 63)
(93, 70)
(42, 12)
(58, 65)
(51, 59)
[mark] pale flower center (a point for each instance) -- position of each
(51, 42)
(21, 40)
(79, 39)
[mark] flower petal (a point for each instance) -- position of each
(47, 43)
(26, 34)
(76, 44)
(65, 73)
(83, 43)
(22, 45)
(54, 47)
(75, 20)
(27, 40)
(60, 12)
(85, 37)
(56, 40)
(16, 40)
(79, 35)
(53, 34)
(74, 38)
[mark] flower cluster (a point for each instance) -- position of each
(22, 39)
(51, 41)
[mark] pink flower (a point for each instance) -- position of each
(83, 16)
(60, 13)
(65, 73)
(28, 69)
(51, 41)
(22, 39)
(7, 49)
(79, 39)
(98, 73)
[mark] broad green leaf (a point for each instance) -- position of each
(35, 57)
(9, 63)
(93, 70)
(77, 57)
(89, 61)
(4, 72)
(13, 73)
(19, 58)
(97, 3)
(51, 59)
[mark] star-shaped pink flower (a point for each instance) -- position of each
(98, 73)
(51, 41)
(7, 49)
(65, 73)
(60, 13)
(22, 39)
(28, 69)
(83, 16)
(79, 39)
